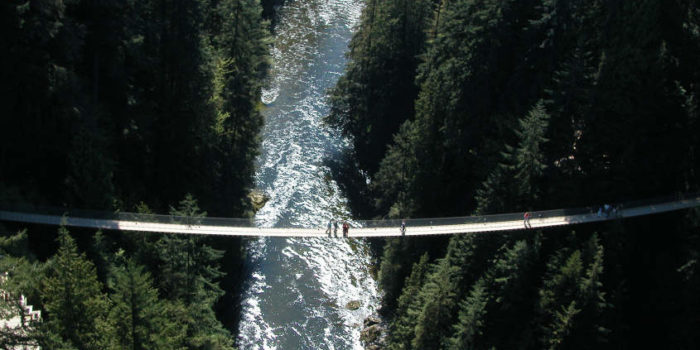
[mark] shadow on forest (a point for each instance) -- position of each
(352, 182)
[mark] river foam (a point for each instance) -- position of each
(298, 289)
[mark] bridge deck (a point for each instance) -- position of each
(471, 224)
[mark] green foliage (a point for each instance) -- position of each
(499, 301)
(15, 245)
(471, 318)
(441, 292)
(140, 319)
(571, 299)
(78, 315)
(241, 41)
(408, 306)
(131, 104)
(389, 268)
(517, 180)
(453, 134)
(109, 103)
(188, 274)
(528, 156)
(561, 325)
(396, 174)
(19, 276)
(72, 296)
(375, 95)
(188, 263)
(142, 244)
(399, 255)
(545, 104)
(439, 296)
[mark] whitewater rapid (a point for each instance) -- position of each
(297, 291)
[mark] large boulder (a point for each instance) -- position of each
(257, 199)
(371, 334)
(354, 305)
(372, 320)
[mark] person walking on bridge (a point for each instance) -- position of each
(403, 227)
(526, 219)
(346, 228)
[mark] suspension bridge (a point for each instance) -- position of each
(369, 228)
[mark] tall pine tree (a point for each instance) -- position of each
(141, 320)
(75, 306)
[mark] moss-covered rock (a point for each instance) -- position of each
(258, 199)
(354, 305)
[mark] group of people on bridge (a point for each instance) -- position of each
(334, 224)
(333, 227)
(607, 209)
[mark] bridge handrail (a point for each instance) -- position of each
(249, 222)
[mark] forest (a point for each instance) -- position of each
(453, 107)
(458, 107)
(140, 106)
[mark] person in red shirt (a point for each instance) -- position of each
(346, 227)
(526, 220)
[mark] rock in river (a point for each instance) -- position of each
(371, 334)
(354, 305)
(372, 320)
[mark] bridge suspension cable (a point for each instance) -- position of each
(368, 228)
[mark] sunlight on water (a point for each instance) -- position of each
(298, 289)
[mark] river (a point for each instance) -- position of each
(297, 290)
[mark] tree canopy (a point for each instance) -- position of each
(522, 105)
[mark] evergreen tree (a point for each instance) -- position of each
(528, 156)
(75, 307)
(240, 64)
(408, 307)
(569, 103)
(515, 184)
(500, 301)
(189, 274)
(390, 267)
(39, 91)
(108, 104)
(464, 262)
(398, 257)
(572, 300)
(396, 173)
(376, 93)
(90, 175)
(140, 319)
(471, 318)
(460, 87)
(602, 69)
(189, 264)
(440, 298)
(103, 255)
(648, 111)
(142, 245)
